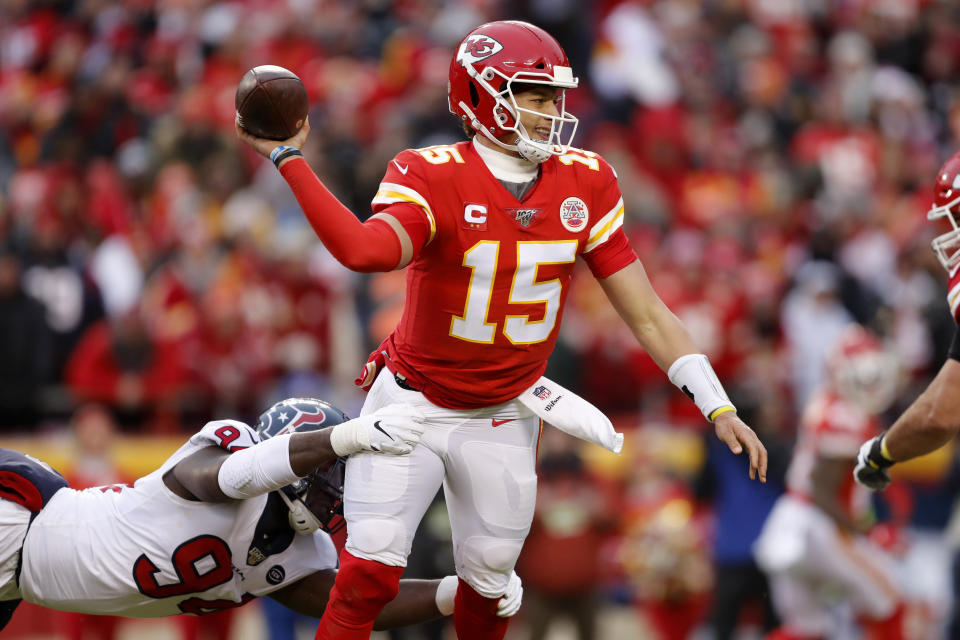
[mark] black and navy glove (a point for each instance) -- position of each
(872, 465)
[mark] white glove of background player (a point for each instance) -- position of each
(394, 429)
(509, 604)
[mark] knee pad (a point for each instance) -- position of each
(485, 563)
(380, 539)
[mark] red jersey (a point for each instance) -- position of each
(953, 293)
(832, 428)
(485, 293)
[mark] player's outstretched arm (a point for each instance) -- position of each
(665, 338)
(368, 246)
(932, 420)
(417, 600)
(215, 475)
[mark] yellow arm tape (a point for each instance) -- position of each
(716, 412)
(883, 449)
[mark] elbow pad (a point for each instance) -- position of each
(693, 375)
(259, 469)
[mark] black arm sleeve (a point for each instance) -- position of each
(955, 346)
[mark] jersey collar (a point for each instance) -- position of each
(506, 167)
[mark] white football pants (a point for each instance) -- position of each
(485, 460)
(811, 563)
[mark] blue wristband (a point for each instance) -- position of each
(282, 152)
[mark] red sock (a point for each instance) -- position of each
(361, 590)
(475, 617)
(889, 628)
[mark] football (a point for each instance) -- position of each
(271, 102)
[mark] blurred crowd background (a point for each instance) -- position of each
(776, 158)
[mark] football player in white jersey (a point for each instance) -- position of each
(235, 513)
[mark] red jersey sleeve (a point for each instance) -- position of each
(841, 428)
(411, 217)
(607, 249)
(368, 246)
(953, 294)
(404, 184)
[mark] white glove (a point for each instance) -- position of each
(394, 429)
(872, 465)
(509, 604)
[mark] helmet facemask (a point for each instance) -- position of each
(947, 245)
(506, 111)
(316, 501)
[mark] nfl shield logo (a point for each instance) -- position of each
(574, 214)
(542, 392)
(525, 216)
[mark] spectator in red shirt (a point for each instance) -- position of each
(117, 362)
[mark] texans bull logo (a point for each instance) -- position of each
(308, 415)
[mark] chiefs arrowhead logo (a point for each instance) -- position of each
(476, 48)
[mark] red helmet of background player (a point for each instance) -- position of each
(495, 61)
(862, 371)
(946, 204)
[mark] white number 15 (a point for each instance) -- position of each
(475, 326)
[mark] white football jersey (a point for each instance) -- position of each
(143, 551)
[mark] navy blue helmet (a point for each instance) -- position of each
(315, 502)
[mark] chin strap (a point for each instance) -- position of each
(301, 518)
(532, 151)
(528, 149)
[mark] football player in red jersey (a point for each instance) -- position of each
(814, 545)
(933, 418)
(489, 231)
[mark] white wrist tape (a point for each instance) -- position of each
(693, 375)
(260, 469)
(446, 593)
(349, 437)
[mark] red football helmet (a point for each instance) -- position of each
(862, 371)
(946, 204)
(489, 63)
